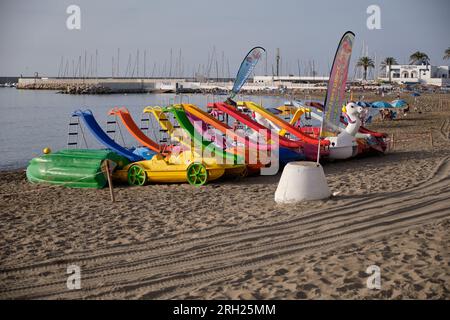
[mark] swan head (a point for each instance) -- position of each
(352, 109)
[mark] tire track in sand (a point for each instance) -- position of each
(444, 130)
(162, 271)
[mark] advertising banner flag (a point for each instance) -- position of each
(246, 68)
(337, 82)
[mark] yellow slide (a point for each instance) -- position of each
(298, 112)
(174, 133)
(281, 123)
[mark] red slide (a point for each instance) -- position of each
(284, 125)
(131, 126)
(222, 127)
(249, 122)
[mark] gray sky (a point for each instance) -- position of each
(34, 35)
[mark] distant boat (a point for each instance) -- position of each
(221, 93)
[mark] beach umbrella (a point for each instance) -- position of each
(381, 104)
(399, 103)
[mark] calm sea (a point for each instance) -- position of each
(33, 119)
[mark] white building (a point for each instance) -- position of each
(291, 82)
(291, 79)
(421, 74)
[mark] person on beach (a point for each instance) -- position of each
(382, 114)
(406, 110)
(385, 114)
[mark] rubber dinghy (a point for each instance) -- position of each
(76, 168)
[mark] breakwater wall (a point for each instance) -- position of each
(8, 79)
(146, 85)
(99, 85)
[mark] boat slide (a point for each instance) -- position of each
(298, 110)
(362, 135)
(289, 150)
(167, 126)
(222, 127)
(132, 127)
(285, 155)
(219, 139)
(297, 114)
(174, 134)
(195, 136)
(363, 130)
(101, 136)
(254, 125)
(283, 124)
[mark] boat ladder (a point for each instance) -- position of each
(145, 123)
(307, 123)
(74, 130)
(113, 128)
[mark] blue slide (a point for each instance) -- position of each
(102, 137)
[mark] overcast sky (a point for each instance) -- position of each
(34, 35)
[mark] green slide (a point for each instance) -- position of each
(209, 146)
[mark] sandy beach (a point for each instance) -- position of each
(230, 240)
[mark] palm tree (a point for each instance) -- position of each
(419, 57)
(388, 62)
(365, 63)
(447, 54)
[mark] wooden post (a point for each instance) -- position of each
(393, 141)
(431, 138)
(108, 175)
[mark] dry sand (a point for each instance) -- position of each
(230, 240)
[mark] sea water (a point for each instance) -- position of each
(33, 119)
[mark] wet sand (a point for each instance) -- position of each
(230, 240)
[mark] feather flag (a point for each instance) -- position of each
(246, 68)
(338, 79)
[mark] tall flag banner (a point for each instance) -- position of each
(338, 78)
(246, 68)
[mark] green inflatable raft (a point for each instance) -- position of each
(76, 168)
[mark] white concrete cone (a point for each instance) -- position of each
(300, 181)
